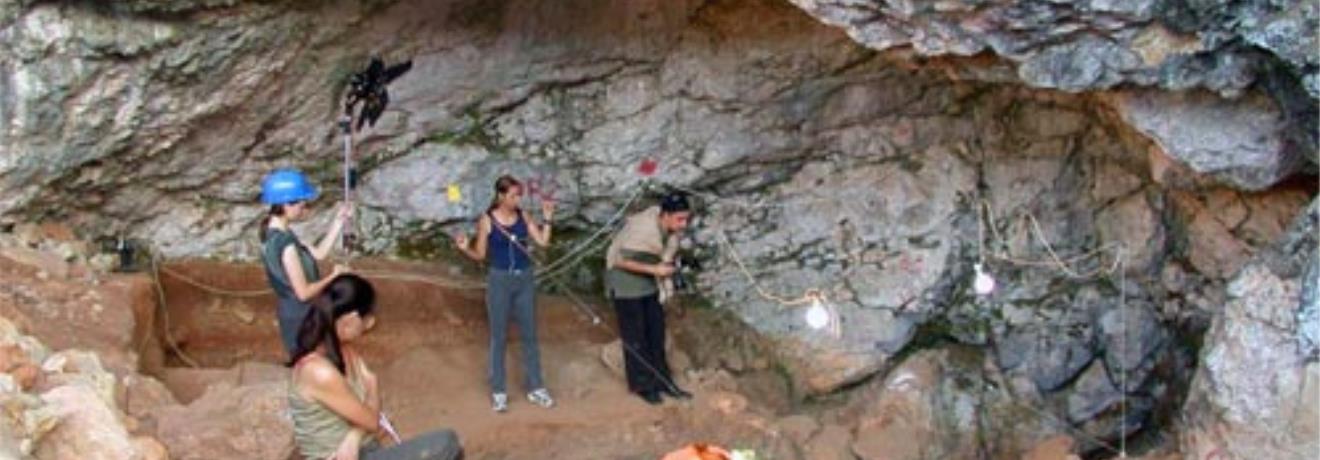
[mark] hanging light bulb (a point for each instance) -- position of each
(743, 454)
(983, 284)
(818, 317)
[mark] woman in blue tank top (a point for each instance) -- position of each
(505, 234)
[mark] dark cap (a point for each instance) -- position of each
(674, 202)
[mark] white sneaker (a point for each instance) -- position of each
(541, 397)
(499, 402)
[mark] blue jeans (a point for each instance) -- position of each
(512, 293)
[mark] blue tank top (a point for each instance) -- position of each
(503, 253)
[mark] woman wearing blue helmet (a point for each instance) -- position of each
(290, 265)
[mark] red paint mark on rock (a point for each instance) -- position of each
(647, 167)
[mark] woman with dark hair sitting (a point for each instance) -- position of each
(334, 399)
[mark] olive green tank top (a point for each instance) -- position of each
(317, 430)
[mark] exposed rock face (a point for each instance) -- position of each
(1242, 142)
(189, 384)
(230, 422)
(1258, 389)
(27, 418)
(1094, 44)
(830, 444)
(897, 253)
(244, 88)
(144, 396)
(877, 178)
(90, 427)
(69, 409)
(877, 291)
(43, 288)
(1057, 448)
(946, 404)
(1088, 45)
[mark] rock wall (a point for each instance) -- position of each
(1083, 45)
(66, 339)
(1257, 393)
(73, 340)
(875, 163)
(158, 121)
(1046, 182)
(1224, 47)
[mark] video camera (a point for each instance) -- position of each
(683, 265)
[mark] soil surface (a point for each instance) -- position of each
(430, 350)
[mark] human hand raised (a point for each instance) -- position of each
(340, 269)
(548, 210)
(344, 211)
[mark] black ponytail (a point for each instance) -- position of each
(346, 294)
(276, 210)
(317, 329)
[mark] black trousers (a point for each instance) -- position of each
(642, 330)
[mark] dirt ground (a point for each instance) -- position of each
(430, 348)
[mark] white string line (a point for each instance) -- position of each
(1063, 265)
(375, 274)
(756, 285)
(600, 231)
(569, 266)
(595, 318)
(816, 294)
(1054, 261)
(165, 316)
(436, 281)
(209, 288)
(1119, 265)
(565, 260)
(1122, 367)
(583, 247)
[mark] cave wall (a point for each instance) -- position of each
(159, 118)
(1229, 48)
(826, 157)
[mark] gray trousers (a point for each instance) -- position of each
(512, 294)
(435, 445)
(290, 313)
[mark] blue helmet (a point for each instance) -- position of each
(284, 186)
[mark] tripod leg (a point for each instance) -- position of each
(348, 236)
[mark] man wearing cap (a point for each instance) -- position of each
(638, 267)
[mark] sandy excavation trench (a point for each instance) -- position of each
(429, 348)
